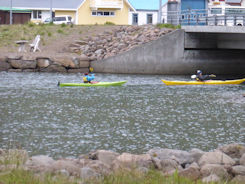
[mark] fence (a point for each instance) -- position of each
(202, 17)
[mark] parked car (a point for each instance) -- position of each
(64, 19)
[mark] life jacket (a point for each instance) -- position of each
(85, 80)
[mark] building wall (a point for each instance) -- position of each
(120, 17)
(142, 17)
(193, 4)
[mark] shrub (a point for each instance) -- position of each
(109, 23)
(63, 25)
(31, 24)
(168, 26)
(60, 31)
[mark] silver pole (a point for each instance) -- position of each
(160, 12)
(51, 11)
(11, 14)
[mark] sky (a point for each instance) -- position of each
(146, 4)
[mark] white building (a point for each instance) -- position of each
(231, 11)
(142, 17)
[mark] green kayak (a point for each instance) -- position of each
(118, 83)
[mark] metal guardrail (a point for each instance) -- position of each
(202, 17)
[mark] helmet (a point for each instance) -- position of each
(199, 71)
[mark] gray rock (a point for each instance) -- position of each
(104, 156)
(43, 63)
(168, 165)
(40, 163)
(192, 172)
(196, 154)
(238, 170)
(233, 150)
(22, 64)
(216, 169)
(242, 160)
(211, 178)
(88, 173)
(238, 179)
(215, 158)
(54, 68)
(182, 157)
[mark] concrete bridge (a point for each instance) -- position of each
(212, 49)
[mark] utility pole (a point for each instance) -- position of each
(160, 12)
(11, 13)
(51, 11)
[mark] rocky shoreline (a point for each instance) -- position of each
(76, 57)
(226, 163)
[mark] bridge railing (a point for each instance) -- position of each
(202, 17)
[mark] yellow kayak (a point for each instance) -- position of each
(209, 82)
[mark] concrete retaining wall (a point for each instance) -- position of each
(168, 55)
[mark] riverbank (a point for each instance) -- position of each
(70, 48)
(224, 164)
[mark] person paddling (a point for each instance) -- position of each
(200, 77)
(88, 78)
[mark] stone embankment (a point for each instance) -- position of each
(226, 163)
(44, 62)
(116, 41)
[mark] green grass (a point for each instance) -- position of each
(168, 26)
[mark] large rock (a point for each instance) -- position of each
(242, 160)
(192, 172)
(87, 173)
(166, 165)
(196, 154)
(127, 160)
(4, 66)
(238, 170)
(43, 63)
(66, 61)
(54, 68)
(70, 165)
(211, 179)
(23, 64)
(40, 163)
(215, 158)
(238, 179)
(233, 150)
(104, 156)
(100, 167)
(216, 169)
(182, 157)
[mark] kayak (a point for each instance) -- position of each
(118, 83)
(209, 82)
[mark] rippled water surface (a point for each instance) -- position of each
(42, 118)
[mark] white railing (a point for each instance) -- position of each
(203, 17)
(117, 4)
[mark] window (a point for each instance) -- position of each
(149, 19)
(103, 13)
(237, 11)
(216, 11)
(36, 14)
(135, 19)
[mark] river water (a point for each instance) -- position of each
(42, 118)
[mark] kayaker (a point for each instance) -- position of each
(201, 77)
(88, 78)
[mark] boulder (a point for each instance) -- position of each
(216, 169)
(14, 70)
(71, 166)
(182, 157)
(23, 64)
(4, 65)
(14, 56)
(238, 179)
(40, 163)
(66, 61)
(211, 179)
(238, 170)
(87, 173)
(104, 156)
(54, 68)
(242, 160)
(99, 167)
(43, 63)
(233, 150)
(196, 154)
(216, 157)
(192, 172)
(127, 160)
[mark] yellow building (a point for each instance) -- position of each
(82, 11)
